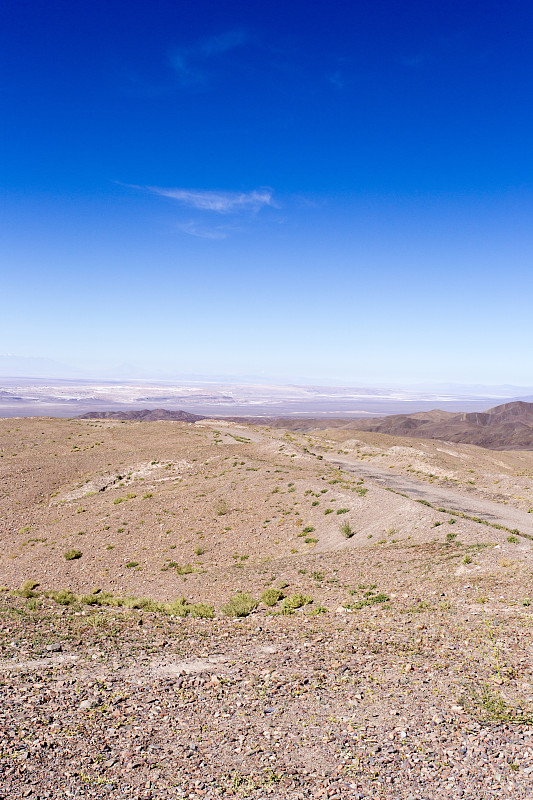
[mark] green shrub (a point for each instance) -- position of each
(221, 508)
(346, 530)
(201, 610)
(272, 596)
(71, 555)
(296, 601)
(285, 610)
(143, 603)
(131, 564)
(98, 599)
(316, 610)
(370, 600)
(63, 597)
(308, 529)
(240, 605)
(178, 607)
(89, 599)
(26, 590)
(342, 510)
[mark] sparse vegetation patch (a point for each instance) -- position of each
(240, 605)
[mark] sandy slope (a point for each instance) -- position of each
(408, 675)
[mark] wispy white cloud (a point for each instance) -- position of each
(219, 202)
(193, 228)
(236, 208)
(189, 63)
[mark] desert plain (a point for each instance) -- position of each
(220, 609)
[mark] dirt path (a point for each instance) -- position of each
(440, 497)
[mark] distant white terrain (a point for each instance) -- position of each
(30, 396)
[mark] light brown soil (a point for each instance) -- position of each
(427, 693)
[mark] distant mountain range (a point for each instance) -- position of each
(504, 427)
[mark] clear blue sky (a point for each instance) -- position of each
(334, 190)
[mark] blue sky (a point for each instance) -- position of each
(327, 191)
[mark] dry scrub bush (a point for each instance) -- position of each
(272, 596)
(240, 605)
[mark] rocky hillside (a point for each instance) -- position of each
(505, 427)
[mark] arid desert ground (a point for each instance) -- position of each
(215, 609)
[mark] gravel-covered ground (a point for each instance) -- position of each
(432, 703)
(394, 663)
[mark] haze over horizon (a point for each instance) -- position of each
(30, 371)
(338, 193)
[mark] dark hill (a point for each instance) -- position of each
(145, 415)
(505, 427)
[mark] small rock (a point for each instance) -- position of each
(54, 648)
(91, 702)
